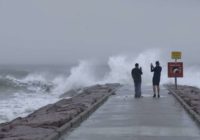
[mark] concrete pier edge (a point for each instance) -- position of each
(192, 113)
(80, 118)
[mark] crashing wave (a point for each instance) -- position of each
(10, 82)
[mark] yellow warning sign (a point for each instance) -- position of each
(176, 55)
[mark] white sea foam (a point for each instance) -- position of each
(22, 104)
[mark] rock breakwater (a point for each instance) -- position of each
(189, 97)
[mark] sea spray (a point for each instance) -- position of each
(80, 76)
(119, 71)
(191, 76)
(121, 65)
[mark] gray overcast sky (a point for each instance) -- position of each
(62, 31)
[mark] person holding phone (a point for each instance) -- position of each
(137, 78)
(156, 78)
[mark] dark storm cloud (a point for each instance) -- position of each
(62, 31)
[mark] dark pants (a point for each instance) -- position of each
(137, 89)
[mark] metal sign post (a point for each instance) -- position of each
(175, 78)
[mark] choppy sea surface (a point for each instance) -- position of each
(24, 88)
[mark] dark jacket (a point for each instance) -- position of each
(157, 72)
(136, 74)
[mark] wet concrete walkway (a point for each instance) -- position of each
(123, 117)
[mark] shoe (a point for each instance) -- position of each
(136, 96)
(154, 96)
(158, 95)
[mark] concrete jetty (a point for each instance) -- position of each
(49, 122)
(123, 117)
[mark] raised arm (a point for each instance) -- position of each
(141, 71)
(152, 68)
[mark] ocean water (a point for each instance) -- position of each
(25, 88)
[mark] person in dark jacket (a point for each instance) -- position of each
(156, 78)
(137, 78)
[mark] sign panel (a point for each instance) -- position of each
(175, 69)
(176, 55)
